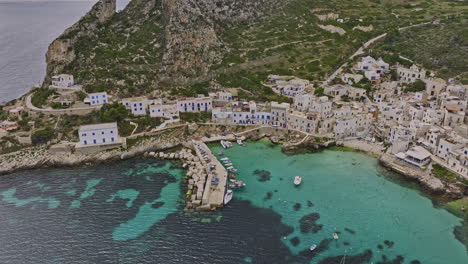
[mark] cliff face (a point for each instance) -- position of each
(61, 52)
(172, 42)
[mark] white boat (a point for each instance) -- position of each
(240, 142)
(335, 236)
(225, 158)
(228, 196)
(313, 247)
(228, 164)
(223, 143)
(297, 180)
(230, 168)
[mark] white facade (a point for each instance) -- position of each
(63, 81)
(279, 114)
(136, 105)
(411, 75)
(199, 104)
(164, 110)
(98, 98)
(434, 86)
(351, 78)
(304, 122)
(99, 134)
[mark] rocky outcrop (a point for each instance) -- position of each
(61, 51)
(154, 42)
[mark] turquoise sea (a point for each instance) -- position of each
(132, 212)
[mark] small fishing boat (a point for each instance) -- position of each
(232, 175)
(228, 164)
(221, 153)
(297, 180)
(226, 161)
(225, 158)
(228, 196)
(232, 170)
(230, 167)
(335, 236)
(313, 247)
(240, 183)
(240, 142)
(223, 143)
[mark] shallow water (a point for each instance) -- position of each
(132, 212)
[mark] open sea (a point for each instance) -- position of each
(26, 30)
(132, 212)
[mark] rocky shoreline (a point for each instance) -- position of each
(291, 141)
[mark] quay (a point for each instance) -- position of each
(214, 190)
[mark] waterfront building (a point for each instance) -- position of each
(416, 156)
(98, 134)
(197, 104)
(136, 105)
(279, 114)
(304, 122)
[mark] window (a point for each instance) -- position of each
(112, 139)
(94, 141)
(102, 133)
(103, 140)
(85, 142)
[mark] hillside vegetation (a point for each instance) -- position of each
(166, 44)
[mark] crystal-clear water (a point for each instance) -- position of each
(132, 212)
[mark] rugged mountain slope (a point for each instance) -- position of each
(187, 46)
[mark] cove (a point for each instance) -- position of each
(350, 194)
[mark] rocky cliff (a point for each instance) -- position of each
(61, 51)
(171, 41)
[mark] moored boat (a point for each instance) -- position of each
(297, 180)
(335, 236)
(228, 196)
(313, 247)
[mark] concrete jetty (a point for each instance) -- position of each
(213, 194)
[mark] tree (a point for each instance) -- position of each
(417, 86)
(113, 113)
(319, 91)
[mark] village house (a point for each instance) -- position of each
(304, 122)
(97, 98)
(416, 156)
(288, 86)
(434, 86)
(410, 75)
(351, 79)
(279, 114)
(64, 83)
(449, 144)
(356, 126)
(169, 111)
(136, 105)
(373, 69)
(98, 135)
(195, 104)
(340, 91)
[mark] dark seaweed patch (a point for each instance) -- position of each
(297, 207)
(350, 230)
(364, 257)
(379, 246)
(281, 179)
(268, 196)
(415, 262)
(308, 223)
(389, 243)
(397, 260)
(276, 190)
(262, 175)
(157, 205)
(310, 204)
(346, 243)
(295, 241)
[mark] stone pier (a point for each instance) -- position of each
(213, 194)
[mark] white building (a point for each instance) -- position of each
(411, 75)
(356, 126)
(288, 86)
(164, 110)
(222, 96)
(304, 122)
(198, 104)
(64, 83)
(372, 68)
(416, 156)
(351, 79)
(279, 114)
(434, 86)
(97, 98)
(338, 91)
(99, 134)
(136, 105)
